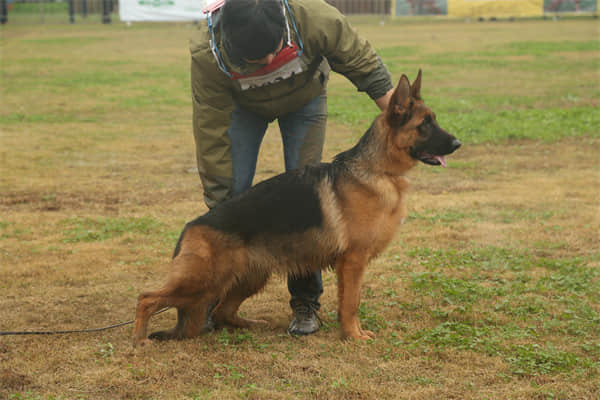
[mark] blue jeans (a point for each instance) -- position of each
(303, 135)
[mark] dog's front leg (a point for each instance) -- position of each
(350, 269)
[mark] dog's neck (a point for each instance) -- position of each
(375, 156)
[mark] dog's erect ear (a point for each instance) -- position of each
(415, 89)
(399, 107)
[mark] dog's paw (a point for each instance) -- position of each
(261, 322)
(163, 335)
(240, 322)
(360, 334)
(368, 334)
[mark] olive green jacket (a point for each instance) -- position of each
(329, 43)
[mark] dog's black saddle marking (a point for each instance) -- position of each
(286, 203)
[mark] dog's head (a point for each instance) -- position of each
(414, 127)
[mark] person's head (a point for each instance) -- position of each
(252, 29)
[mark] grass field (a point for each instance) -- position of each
(491, 290)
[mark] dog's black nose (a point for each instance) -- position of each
(456, 144)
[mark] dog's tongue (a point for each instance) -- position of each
(441, 159)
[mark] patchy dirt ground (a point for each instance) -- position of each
(77, 255)
(491, 290)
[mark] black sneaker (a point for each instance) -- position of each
(306, 320)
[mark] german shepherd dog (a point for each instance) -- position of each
(339, 214)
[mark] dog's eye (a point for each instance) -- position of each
(426, 122)
(425, 127)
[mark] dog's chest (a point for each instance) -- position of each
(391, 212)
(390, 194)
(372, 212)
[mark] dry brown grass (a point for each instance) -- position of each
(49, 284)
(516, 216)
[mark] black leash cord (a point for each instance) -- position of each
(76, 330)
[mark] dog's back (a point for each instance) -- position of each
(285, 204)
(279, 224)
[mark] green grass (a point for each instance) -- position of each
(61, 42)
(482, 117)
(556, 301)
(486, 116)
(543, 48)
(83, 229)
(490, 290)
(546, 124)
(534, 359)
(36, 8)
(476, 126)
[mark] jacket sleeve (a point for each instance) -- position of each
(212, 108)
(347, 53)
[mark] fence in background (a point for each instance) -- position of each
(73, 11)
(58, 11)
(372, 7)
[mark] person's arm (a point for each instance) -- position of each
(212, 107)
(349, 54)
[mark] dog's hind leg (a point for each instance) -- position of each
(190, 288)
(148, 304)
(192, 320)
(227, 311)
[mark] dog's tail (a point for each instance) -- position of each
(178, 245)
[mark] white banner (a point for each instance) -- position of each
(161, 10)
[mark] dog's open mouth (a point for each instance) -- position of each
(432, 159)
